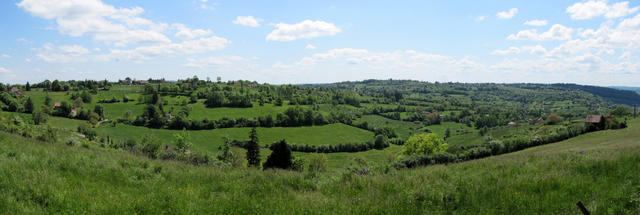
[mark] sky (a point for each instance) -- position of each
(585, 42)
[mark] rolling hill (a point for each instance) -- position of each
(598, 168)
(614, 95)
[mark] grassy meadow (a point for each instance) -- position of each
(598, 168)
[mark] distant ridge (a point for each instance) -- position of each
(637, 89)
(620, 96)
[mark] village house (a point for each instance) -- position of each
(595, 122)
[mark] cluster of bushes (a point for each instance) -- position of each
(17, 125)
(87, 131)
(227, 99)
(490, 148)
(112, 100)
(84, 95)
(67, 110)
(152, 117)
(9, 103)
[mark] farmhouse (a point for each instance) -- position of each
(57, 105)
(595, 122)
(513, 123)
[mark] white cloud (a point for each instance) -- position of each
(507, 14)
(309, 46)
(62, 54)
(247, 21)
(625, 56)
(4, 55)
(186, 33)
(4, 70)
(556, 32)
(534, 50)
(212, 61)
(92, 17)
(481, 18)
(302, 30)
(172, 49)
(510, 50)
(592, 9)
(536, 22)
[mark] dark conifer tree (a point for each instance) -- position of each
(253, 149)
(280, 157)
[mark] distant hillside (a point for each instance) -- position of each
(615, 95)
(637, 89)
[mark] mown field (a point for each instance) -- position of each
(598, 168)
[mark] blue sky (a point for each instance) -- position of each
(586, 42)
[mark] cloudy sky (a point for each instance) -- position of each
(586, 42)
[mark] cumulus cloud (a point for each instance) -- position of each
(302, 30)
(172, 49)
(595, 8)
(4, 55)
(92, 17)
(507, 14)
(481, 18)
(247, 21)
(534, 50)
(556, 32)
(510, 50)
(309, 46)
(536, 22)
(186, 33)
(62, 54)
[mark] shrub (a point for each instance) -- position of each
(424, 144)
(553, 119)
(40, 117)
(280, 157)
(86, 130)
(298, 164)
(381, 142)
(317, 163)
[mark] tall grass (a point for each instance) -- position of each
(600, 169)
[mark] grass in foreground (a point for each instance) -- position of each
(598, 168)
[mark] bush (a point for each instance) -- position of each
(424, 144)
(317, 163)
(553, 119)
(298, 164)
(381, 142)
(86, 130)
(280, 157)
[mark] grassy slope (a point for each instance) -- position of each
(598, 168)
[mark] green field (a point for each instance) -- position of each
(599, 169)
(211, 139)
